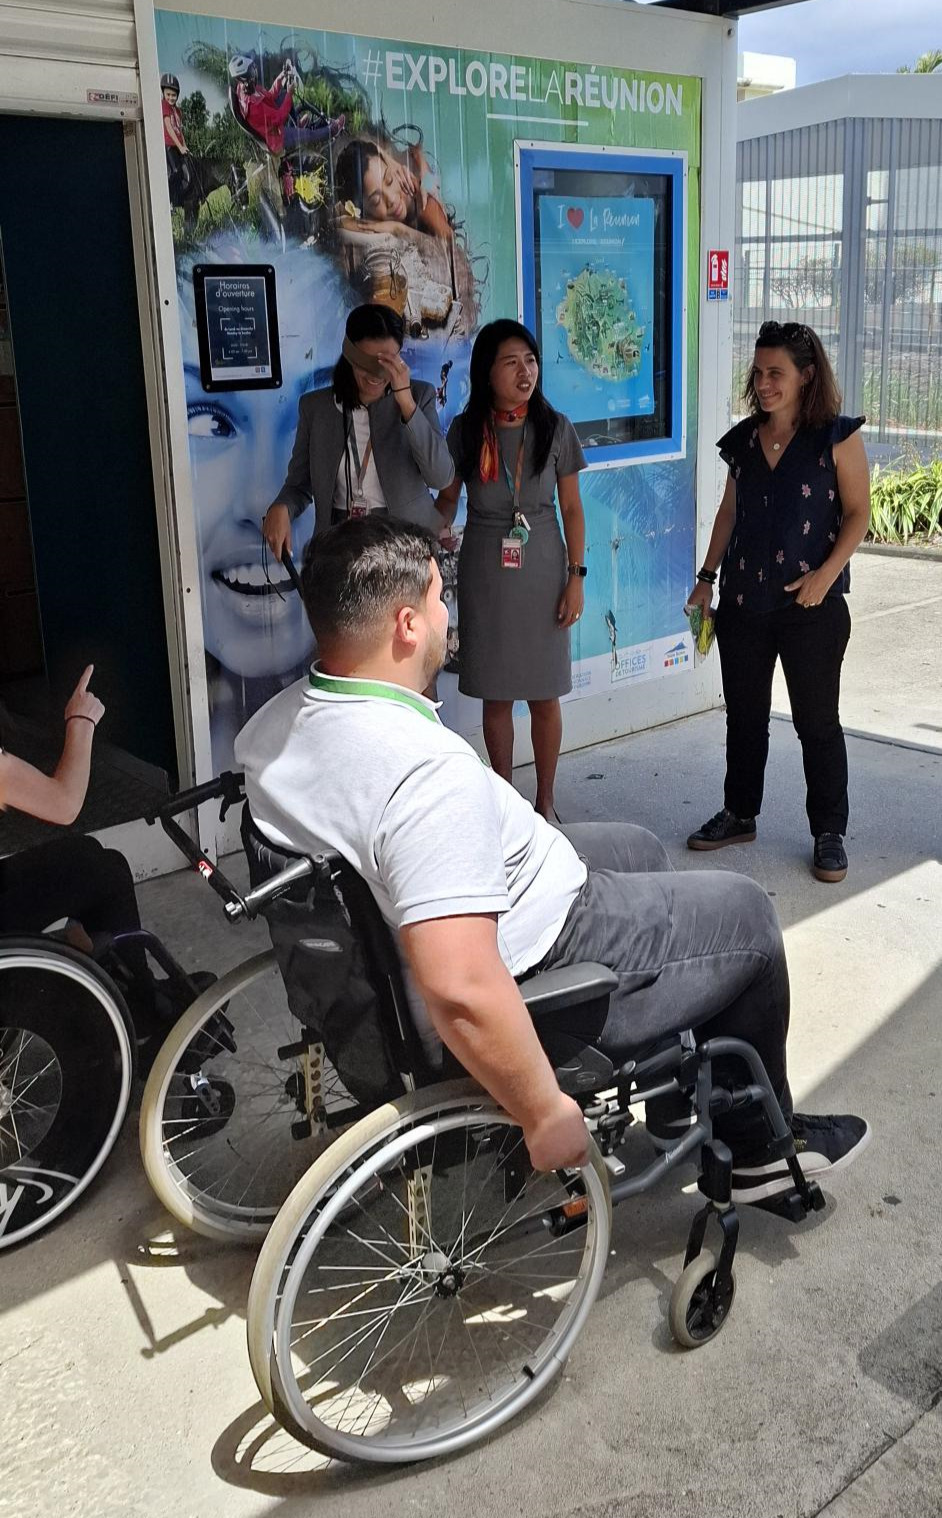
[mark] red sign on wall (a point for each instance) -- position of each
(718, 274)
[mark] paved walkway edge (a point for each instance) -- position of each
(899, 1481)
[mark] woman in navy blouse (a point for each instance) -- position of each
(795, 507)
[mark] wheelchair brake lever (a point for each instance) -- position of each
(232, 792)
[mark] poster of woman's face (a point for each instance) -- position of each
(281, 157)
(257, 638)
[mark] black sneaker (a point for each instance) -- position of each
(823, 1145)
(722, 830)
(830, 858)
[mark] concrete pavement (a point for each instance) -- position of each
(126, 1386)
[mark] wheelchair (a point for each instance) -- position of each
(68, 1058)
(421, 1284)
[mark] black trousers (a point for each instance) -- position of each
(73, 876)
(692, 949)
(810, 641)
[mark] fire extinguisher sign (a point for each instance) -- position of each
(718, 274)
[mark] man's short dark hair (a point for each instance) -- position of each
(356, 575)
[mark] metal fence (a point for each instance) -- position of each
(839, 225)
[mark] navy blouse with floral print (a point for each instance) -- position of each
(787, 518)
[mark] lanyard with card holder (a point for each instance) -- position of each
(512, 546)
(356, 501)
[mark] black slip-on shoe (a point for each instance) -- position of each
(830, 857)
(722, 830)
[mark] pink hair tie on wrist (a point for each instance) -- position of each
(80, 717)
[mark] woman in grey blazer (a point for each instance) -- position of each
(371, 442)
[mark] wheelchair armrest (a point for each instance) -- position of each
(569, 986)
(571, 1042)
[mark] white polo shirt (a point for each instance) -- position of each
(367, 769)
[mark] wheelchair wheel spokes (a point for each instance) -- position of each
(426, 1299)
(66, 1065)
(238, 1105)
(30, 1093)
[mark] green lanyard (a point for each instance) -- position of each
(343, 686)
(513, 484)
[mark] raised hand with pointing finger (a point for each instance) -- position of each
(83, 705)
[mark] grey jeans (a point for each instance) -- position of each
(692, 949)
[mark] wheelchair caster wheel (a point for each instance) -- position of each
(694, 1316)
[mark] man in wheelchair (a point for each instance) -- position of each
(483, 892)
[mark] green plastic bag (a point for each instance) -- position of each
(702, 629)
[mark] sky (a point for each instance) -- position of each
(830, 37)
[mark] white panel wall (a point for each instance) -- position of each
(63, 58)
(623, 35)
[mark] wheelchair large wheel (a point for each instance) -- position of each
(237, 1106)
(422, 1284)
(66, 1066)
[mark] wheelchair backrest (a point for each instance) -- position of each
(341, 970)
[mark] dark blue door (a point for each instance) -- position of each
(66, 237)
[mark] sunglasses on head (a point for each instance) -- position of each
(771, 334)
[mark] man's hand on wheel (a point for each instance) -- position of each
(559, 1140)
(276, 530)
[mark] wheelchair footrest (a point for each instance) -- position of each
(792, 1205)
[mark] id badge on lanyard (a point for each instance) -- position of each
(513, 545)
(357, 505)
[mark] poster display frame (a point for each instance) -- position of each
(533, 156)
(211, 382)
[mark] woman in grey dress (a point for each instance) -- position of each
(520, 586)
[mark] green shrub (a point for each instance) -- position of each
(906, 502)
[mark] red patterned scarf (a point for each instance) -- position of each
(489, 463)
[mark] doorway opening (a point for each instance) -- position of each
(80, 579)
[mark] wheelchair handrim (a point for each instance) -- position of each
(545, 1364)
(210, 1215)
(93, 981)
(222, 1220)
